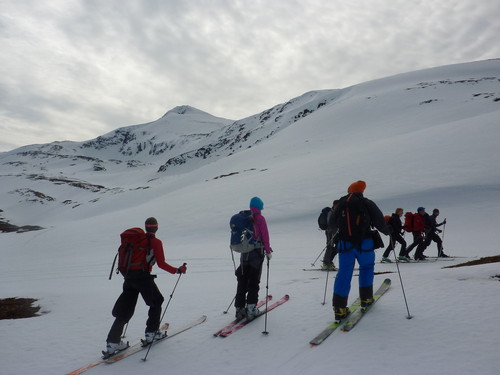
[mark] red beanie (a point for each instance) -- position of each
(357, 187)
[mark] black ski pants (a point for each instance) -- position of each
(331, 250)
(247, 291)
(125, 305)
(395, 237)
(419, 243)
(433, 236)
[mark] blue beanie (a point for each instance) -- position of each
(420, 209)
(257, 203)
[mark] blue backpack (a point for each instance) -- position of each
(241, 232)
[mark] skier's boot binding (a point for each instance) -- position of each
(365, 303)
(341, 313)
(151, 336)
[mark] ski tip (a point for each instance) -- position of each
(387, 281)
(202, 319)
(287, 297)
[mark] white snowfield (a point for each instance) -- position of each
(427, 138)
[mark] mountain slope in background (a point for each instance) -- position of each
(395, 115)
(422, 138)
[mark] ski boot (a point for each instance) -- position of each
(153, 336)
(341, 313)
(252, 311)
(442, 254)
(241, 313)
(365, 303)
(328, 267)
(114, 347)
(366, 296)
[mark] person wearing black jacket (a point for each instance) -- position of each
(353, 218)
(396, 236)
(431, 229)
(331, 245)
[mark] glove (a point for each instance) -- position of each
(439, 230)
(269, 256)
(444, 222)
(182, 269)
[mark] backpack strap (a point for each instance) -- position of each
(348, 214)
(149, 260)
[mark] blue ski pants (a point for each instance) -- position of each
(348, 255)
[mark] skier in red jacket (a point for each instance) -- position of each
(138, 280)
(418, 232)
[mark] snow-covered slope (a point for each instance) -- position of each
(422, 138)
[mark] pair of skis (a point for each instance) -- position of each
(356, 313)
(138, 346)
(237, 324)
(162, 334)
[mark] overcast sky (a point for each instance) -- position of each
(76, 69)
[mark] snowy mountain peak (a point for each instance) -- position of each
(185, 109)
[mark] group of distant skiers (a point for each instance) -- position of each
(424, 228)
(348, 225)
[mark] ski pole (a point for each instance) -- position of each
(326, 284)
(234, 266)
(313, 264)
(161, 319)
(444, 227)
(400, 278)
(265, 332)
(226, 311)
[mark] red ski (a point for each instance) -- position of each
(244, 322)
(236, 321)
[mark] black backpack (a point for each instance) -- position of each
(323, 218)
(354, 221)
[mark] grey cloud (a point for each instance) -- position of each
(97, 65)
